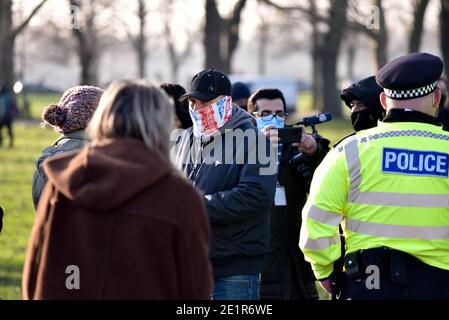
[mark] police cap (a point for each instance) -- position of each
(410, 76)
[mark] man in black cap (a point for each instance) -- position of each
(224, 156)
(388, 187)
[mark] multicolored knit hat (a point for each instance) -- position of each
(74, 110)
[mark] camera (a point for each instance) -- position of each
(289, 135)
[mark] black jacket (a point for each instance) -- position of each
(286, 274)
(237, 196)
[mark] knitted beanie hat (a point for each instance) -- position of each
(74, 110)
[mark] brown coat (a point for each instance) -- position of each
(132, 227)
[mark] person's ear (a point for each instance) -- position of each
(383, 100)
(436, 98)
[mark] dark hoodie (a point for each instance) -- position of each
(110, 210)
(368, 92)
(238, 195)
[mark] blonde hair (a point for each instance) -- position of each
(134, 109)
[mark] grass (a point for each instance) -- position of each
(16, 172)
(38, 101)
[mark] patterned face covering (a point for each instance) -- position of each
(209, 119)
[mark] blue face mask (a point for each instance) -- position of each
(277, 122)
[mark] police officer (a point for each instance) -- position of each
(389, 188)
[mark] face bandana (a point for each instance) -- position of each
(361, 120)
(209, 119)
(276, 122)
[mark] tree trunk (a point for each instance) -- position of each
(8, 35)
(141, 42)
(418, 24)
(337, 23)
(87, 45)
(232, 34)
(174, 69)
(444, 33)
(317, 59)
(212, 30)
(88, 65)
(381, 39)
(352, 51)
(221, 36)
(262, 50)
(7, 45)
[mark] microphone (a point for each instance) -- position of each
(317, 119)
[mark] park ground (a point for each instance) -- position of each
(16, 172)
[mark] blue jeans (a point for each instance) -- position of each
(239, 287)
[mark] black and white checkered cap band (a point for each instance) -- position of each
(411, 94)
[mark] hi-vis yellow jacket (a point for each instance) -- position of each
(387, 186)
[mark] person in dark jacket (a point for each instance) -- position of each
(286, 275)
(8, 111)
(69, 118)
(175, 91)
(108, 225)
(363, 100)
(240, 95)
(233, 164)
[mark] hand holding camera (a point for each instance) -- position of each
(296, 136)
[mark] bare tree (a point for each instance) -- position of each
(380, 38)
(317, 58)
(87, 41)
(325, 50)
(177, 57)
(444, 33)
(221, 35)
(262, 49)
(376, 29)
(140, 42)
(8, 36)
(351, 55)
(420, 7)
(332, 39)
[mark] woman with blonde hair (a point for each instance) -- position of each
(108, 225)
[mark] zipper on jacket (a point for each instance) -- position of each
(197, 166)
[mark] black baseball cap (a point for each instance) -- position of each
(207, 85)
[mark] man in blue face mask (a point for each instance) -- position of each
(286, 275)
